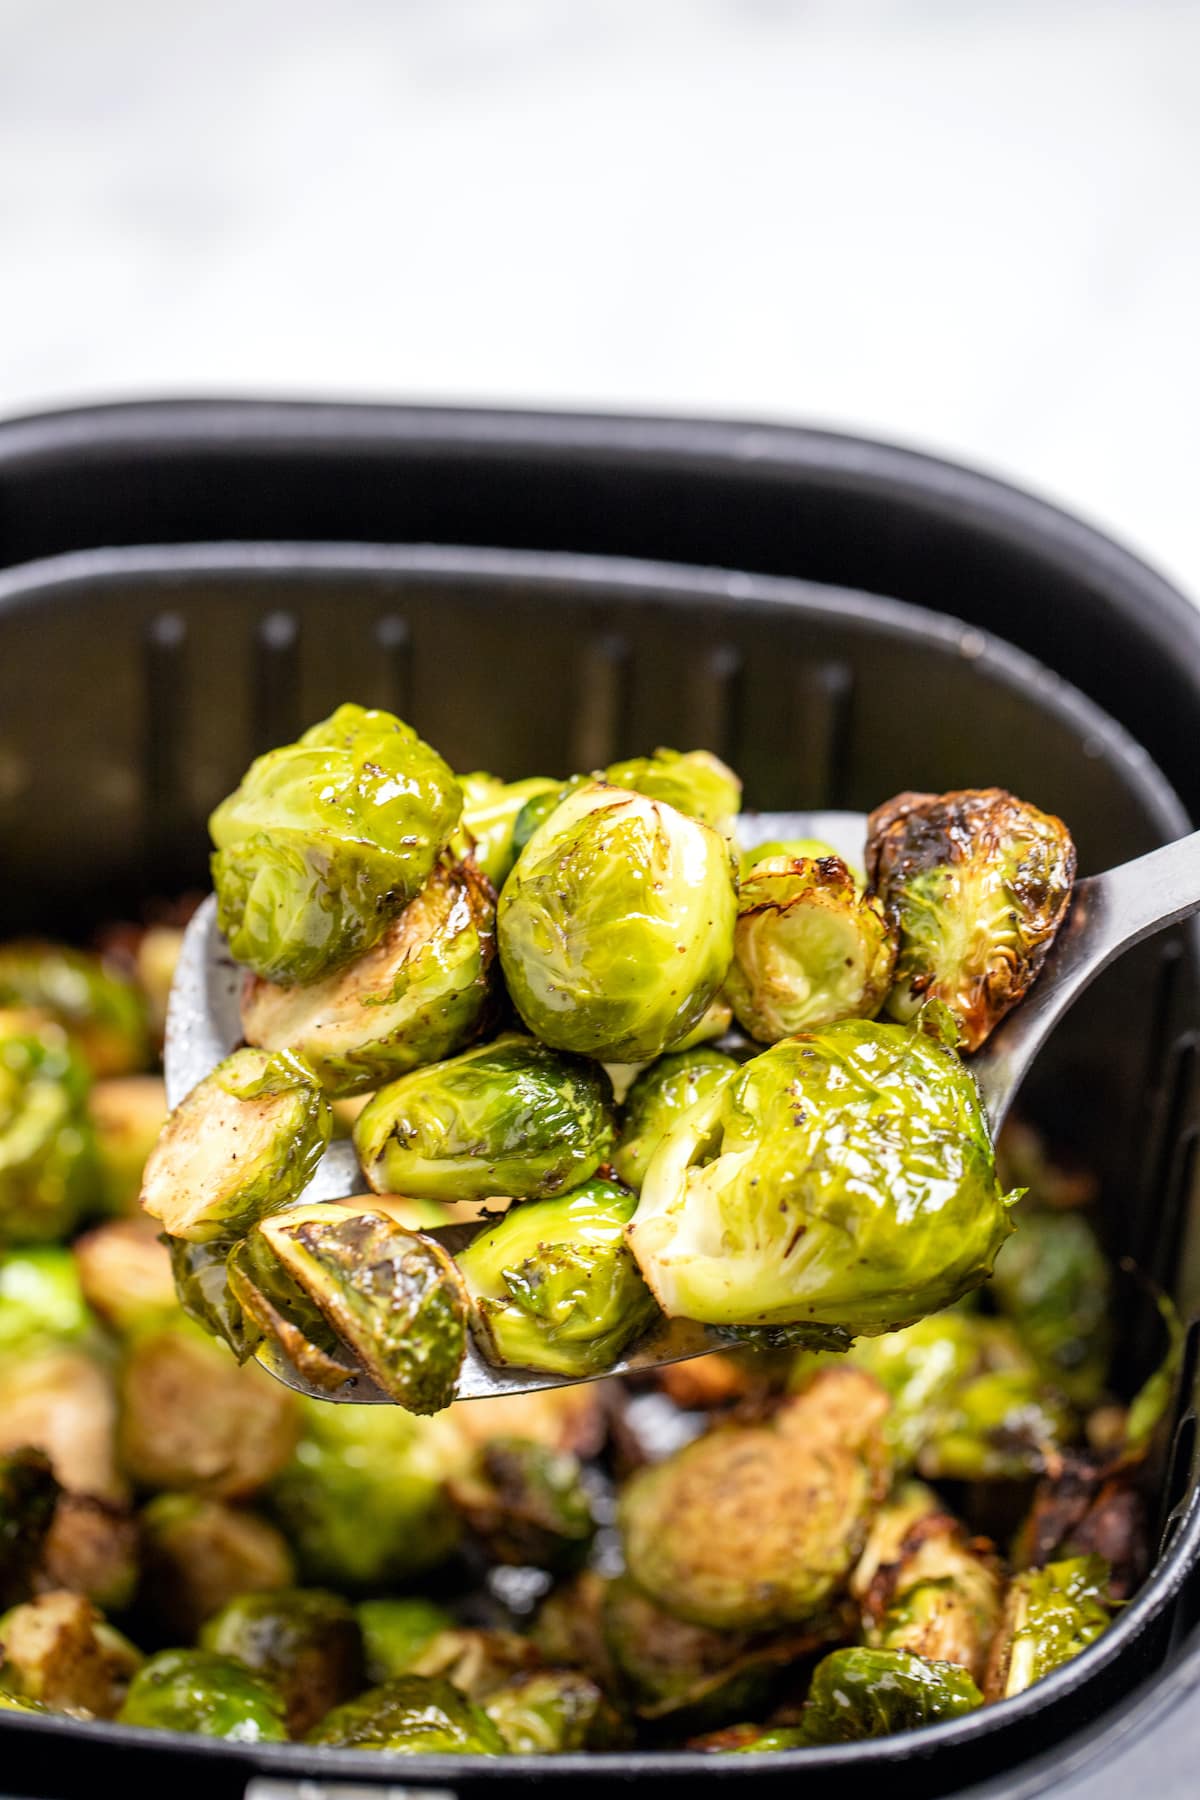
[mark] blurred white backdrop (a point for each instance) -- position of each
(966, 224)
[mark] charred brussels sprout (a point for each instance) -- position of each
(939, 1598)
(306, 1643)
(415, 1715)
(867, 1693)
(92, 1548)
(414, 997)
(48, 1173)
(509, 1118)
(975, 884)
(526, 1504)
(491, 808)
(58, 1649)
(326, 839)
(842, 1181)
(41, 1298)
(808, 949)
(199, 1554)
(1053, 1281)
(694, 782)
(246, 1141)
(553, 1285)
(1050, 1615)
(28, 1496)
(125, 1274)
(127, 1114)
(101, 1011)
(545, 1712)
(616, 925)
(758, 1525)
(395, 1631)
(659, 1097)
(199, 1691)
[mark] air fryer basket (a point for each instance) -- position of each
(135, 684)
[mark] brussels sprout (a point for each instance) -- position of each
(553, 1285)
(41, 1298)
(808, 949)
(1053, 1281)
(416, 996)
(908, 1505)
(865, 1693)
(125, 1274)
(1000, 1426)
(47, 1154)
(793, 849)
(394, 1632)
(545, 1712)
(568, 1628)
(198, 1691)
(490, 811)
(306, 1643)
(757, 1525)
(525, 1504)
(101, 1010)
(508, 1118)
(659, 1097)
(1050, 1615)
(858, 1138)
(201, 1276)
(200, 1554)
(715, 1022)
(1084, 1509)
(92, 1548)
(939, 1598)
(394, 1296)
(975, 884)
(191, 1419)
(921, 1367)
(694, 782)
(616, 925)
(58, 1649)
(476, 1661)
(28, 1495)
(413, 1716)
(61, 1400)
(363, 1499)
(266, 1312)
(127, 1113)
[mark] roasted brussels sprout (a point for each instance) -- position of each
(1053, 1281)
(544, 1712)
(93, 1548)
(490, 811)
(939, 1598)
(921, 1367)
(305, 1642)
(758, 1525)
(41, 1298)
(127, 1113)
(100, 1009)
(616, 925)
(125, 1274)
(999, 1426)
(865, 1693)
(975, 884)
(326, 839)
(858, 1137)
(199, 1554)
(264, 1312)
(61, 1400)
(416, 996)
(553, 1285)
(1050, 1615)
(808, 949)
(58, 1649)
(415, 1715)
(659, 1097)
(28, 1496)
(525, 1504)
(694, 782)
(199, 1691)
(509, 1118)
(395, 1631)
(246, 1141)
(47, 1155)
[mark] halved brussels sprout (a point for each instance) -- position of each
(1054, 1283)
(303, 1641)
(266, 1313)
(415, 1715)
(28, 1496)
(326, 839)
(125, 1274)
(508, 1118)
(545, 1712)
(490, 811)
(553, 1285)
(199, 1691)
(975, 884)
(842, 1181)
(525, 1504)
(395, 1631)
(58, 1649)
(416, 996)
(616, 925)
(758, 1525)
(92, 1548)
(1050, 1615)
(60, 1399)
(808, 949)
(246, 1141)
(660, 1096)
(694, 782)
(48, 1176)
(865, 1693)
(99, 1008)
(199, 1554)
(127, 1113)
(41, 1298)
(939, 1598)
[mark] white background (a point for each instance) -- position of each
(972, 226)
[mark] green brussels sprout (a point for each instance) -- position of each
(199, 1554)
(1002, 1425)
(793, 849)
(808, 949)
(245, 1141)
(414, 1715)
(939, 1598)
(48, 1173)
(920, 1368)
(508, 1118)
(394, 1296)
(60, 1399)
(41, 1298)
(754, 1526)
(326, 839)
(92, 1548)
(490, 811)
(545, 1712)
(127, 1113)
(305, 1642)
(975, 884)
(866, 1693)
(395, 1631)
(616, 925)
(525, 1504)
(1053, 1280)
(201, 1692)
(858, 1135)
(28, 1496)
(1050, 1615)
(124, 1273)
(417, 995)
(662, 1093)
(100, 1009)
(695, 782)
(58, 1649)
(362, 1501)
(553, 1285)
